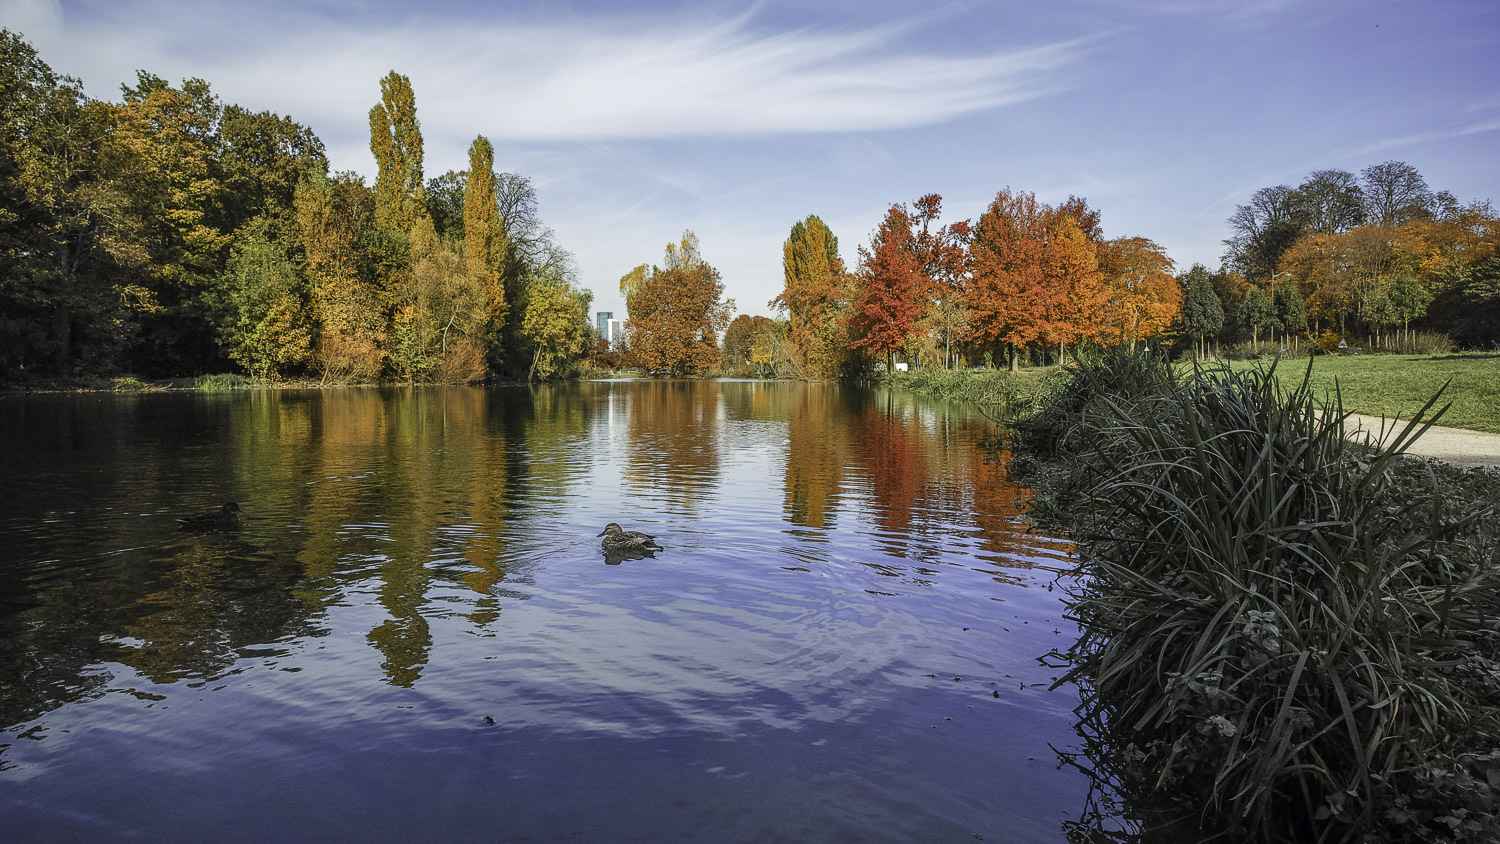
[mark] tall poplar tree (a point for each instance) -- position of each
(815, 298)
(485, 246)
(396, 143)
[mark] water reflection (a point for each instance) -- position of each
(413, 562)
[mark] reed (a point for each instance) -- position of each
(1285, 635)
(221, 383)
(1003, 396)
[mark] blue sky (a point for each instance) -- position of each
(636, 120)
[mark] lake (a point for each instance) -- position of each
(414, 634)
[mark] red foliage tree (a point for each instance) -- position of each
(890, 287)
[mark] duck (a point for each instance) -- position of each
(617, 540)
(225, 518)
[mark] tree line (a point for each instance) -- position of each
(1369, 255)
(1026, 281)
(170, 233)
(1337, 259)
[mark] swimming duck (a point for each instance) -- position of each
(225, 518)
(617, 540)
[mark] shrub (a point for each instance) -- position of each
(1285, 633)
(1002, 396)
(129, 384)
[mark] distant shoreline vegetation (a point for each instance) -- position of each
(169, 234)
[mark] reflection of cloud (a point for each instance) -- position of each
(598, 78)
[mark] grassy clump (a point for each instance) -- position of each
(221, 383)
(1002, 395)
(1285, 635)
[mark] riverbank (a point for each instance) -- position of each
(1286, 633)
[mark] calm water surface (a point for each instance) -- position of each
(814, 657)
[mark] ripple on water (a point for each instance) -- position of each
(416, 621)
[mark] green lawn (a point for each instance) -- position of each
(1398, 385)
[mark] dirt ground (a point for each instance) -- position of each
(1454, 445)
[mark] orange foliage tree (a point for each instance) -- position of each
(1008, 294)
(942, 254)
(1034, 274)
(677, 313)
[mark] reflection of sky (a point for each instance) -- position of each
(639, 120)
(414, 561)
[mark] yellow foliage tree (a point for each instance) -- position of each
(815, 298)
(1143, 297)
(350, 336)
(485, 248)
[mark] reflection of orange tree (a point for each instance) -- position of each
(673, 440)
(1000, 505)
(886, 452)
(817, 454)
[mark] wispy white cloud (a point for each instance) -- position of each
(583, 79)
(1490, 123)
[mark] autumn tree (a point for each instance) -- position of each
(170, 140)
(1077, 286)
(815, 298)
(1143, 296)
(1034, 274)
(486, 249)
(556, 322)
(887, 300)
(738, 339)
(1008, 289)
(396, 144)
(269, 328)
(941, 253)
(677, 312)
(349, 345)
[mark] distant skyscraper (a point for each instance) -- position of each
(615, 334)
(601, 320)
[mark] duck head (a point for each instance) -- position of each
(612, 529)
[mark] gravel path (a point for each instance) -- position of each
(1455, 445)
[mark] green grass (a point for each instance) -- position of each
(1396, 386)
(222, 383)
